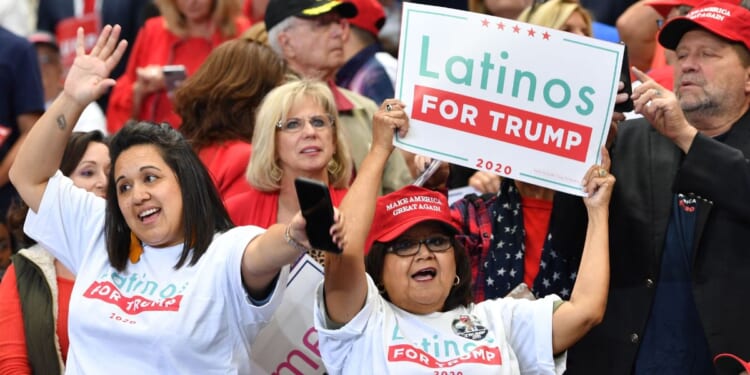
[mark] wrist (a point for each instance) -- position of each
(293, 242)
(685, 139)
(70, 100)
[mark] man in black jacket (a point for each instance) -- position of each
(680, 215)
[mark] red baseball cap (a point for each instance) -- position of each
(370, 16)
(727, 20)
(664, 6)
(396, 212)
(745, 365)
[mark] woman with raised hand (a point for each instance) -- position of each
(163, 281)
(406, 307)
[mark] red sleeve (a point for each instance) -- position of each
(13, 358)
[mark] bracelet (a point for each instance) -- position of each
(294, 243)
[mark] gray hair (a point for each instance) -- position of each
(273, 34)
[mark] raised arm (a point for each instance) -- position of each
(588, 300)
(345, 283)
(39, 156)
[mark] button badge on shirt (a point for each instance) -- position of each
(469, 327)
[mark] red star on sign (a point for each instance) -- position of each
(531, 32)
(485, 22)
(516, 29)
(501, 25)
(546, 35)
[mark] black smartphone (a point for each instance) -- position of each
(173, 76)
(627, 105)
(317, 208)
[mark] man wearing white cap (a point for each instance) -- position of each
(680, 216)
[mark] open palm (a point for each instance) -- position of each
(88, 78)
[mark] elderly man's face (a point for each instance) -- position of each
(316, 44)
(709, 75)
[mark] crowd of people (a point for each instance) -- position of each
(150, 222)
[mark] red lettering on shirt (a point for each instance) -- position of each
(480, 355)
(107, 291)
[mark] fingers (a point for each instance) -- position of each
(393, 110)
(641, 76)
(597, 177)
(101, 42)
(485, 182)
(600, 170)
(649, 96)
(421, 162)
(606, 161)
(337, 229)
(112, 50)
(80, 50)
(111, 42)
(115, 58)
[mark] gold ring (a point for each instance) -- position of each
(388, 107)
(602, 172)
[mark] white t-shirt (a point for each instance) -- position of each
(502, 336)
(150, 319)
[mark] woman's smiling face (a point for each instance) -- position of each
(149, 196)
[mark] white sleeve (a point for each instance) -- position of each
(69, 223)
(230, 248)
(335, 345)
(528, 327)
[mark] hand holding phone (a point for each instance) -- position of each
(173, 76)
(317, 209)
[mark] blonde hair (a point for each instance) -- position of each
(264, 172)
(223, 15)
(554, 14)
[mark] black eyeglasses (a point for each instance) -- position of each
(409, 247)
(293, 125)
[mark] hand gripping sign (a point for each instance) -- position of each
(519, 100)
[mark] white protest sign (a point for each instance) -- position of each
(523, 101)
(289, 343)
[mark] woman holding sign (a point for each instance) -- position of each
(406, 307)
